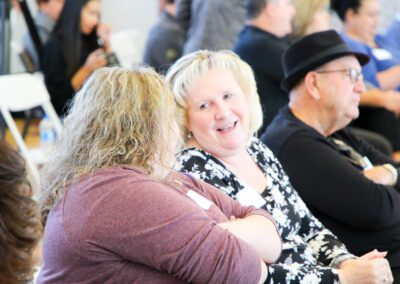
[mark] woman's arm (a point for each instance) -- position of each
(390, 78)
(259, 232)
(96, 59)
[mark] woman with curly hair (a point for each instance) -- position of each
(118, 212)
(19, 223)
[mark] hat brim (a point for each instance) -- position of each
(319, 59)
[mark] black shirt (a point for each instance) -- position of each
(54, 66)
(263, 52)
(363, 214)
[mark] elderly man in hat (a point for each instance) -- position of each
(349, 185)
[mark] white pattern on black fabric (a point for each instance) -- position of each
(310, 251)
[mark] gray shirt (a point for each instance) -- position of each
(211, 24)
(44, 25)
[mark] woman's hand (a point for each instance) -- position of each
(95, 60)
(371, 268)
(104, 34)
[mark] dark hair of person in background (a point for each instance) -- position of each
(254, 8)
(68, 28)
(341, 6)
(20, 228)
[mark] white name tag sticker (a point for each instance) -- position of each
(200, 200)
(249, 197)
(382, 54)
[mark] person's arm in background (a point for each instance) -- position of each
(378, 173)
(389, 100)
(95, 60)
(323, 176)
(390, 78)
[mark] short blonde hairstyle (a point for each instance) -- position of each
(305, 11)
(119, 117)
(189, 68)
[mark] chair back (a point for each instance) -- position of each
(21, 92)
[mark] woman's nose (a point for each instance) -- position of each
(222, 111)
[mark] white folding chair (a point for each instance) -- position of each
(20, 92)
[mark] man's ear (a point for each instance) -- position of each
(311, 85)
(269, 9)
(349, 15)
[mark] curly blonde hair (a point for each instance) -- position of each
(119, 117)
(20, 228)
(190, 67)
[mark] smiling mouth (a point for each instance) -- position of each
(227, 128)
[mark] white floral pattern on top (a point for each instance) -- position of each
(310, 251)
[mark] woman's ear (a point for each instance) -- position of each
(311, 85)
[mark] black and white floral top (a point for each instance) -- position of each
(310, 251)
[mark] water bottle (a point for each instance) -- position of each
(47, 134)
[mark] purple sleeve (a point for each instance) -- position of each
(160, 227)
(229, 206)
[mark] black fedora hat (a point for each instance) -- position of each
(312, 51)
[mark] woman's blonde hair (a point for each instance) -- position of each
(119, 117)
(190, 67)
(305, 11)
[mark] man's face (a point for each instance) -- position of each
(340, 88)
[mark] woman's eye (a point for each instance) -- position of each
(204, 106)
(228, 96)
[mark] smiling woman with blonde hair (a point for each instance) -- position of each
(220, 113)
(116, 211)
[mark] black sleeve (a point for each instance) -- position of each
(366, 149)
(57, 81)
(330, 184)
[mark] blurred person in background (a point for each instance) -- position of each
(165, 40)
(20, 228)
(261, 43)
(210, 24)
(361, 19)
(315, 16)
(78, 45)
(45, 20)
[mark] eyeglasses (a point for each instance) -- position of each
(353, 74)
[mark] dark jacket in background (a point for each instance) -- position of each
(263, 52)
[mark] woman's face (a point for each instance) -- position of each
(218, 114)
(366, 21)
(321, 20)
(90, 16)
